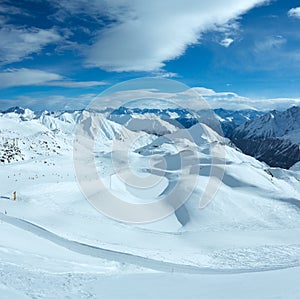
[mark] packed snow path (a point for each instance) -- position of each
(123, 257)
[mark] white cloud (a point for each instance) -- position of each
(32, 77)
(24, 77)
(233, 101)
(17, 44)
(142, 37)
(294, 13)
(76, 84)
(275, 103)
(202, 91)
(226, 42)
(164, 74)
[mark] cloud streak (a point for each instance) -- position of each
(33, 77)
(270, 43)
(225, 100)
(26, 77)
(294, 13)
(76, 84)
(233, 101)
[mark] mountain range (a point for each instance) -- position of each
(271, 137)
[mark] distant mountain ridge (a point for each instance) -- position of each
(231, 119)
(273, 124)
(272, 137)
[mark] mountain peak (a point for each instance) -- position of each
(15, 109)
(273, 138)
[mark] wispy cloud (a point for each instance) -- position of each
(11, 10)
(18, 43)
(227, 33)
(25, 77)
(164, 74)
(76, 84)
(270, 43)
(233, 101)
(185, 99)
(33, 77)
(50, 102)
(294, 13)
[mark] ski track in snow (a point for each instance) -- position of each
(128, 258)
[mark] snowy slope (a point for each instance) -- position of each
(296, 167)
(51, 231)
(27, 140)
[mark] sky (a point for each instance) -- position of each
(59, 54)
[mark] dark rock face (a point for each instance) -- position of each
(15, 109)
(273, 138)
(275, 152)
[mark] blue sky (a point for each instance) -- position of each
(59, 54)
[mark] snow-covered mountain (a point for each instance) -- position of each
(273, 138)
(18, 112)
(183, 118)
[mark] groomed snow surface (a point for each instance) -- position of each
(54, 244)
